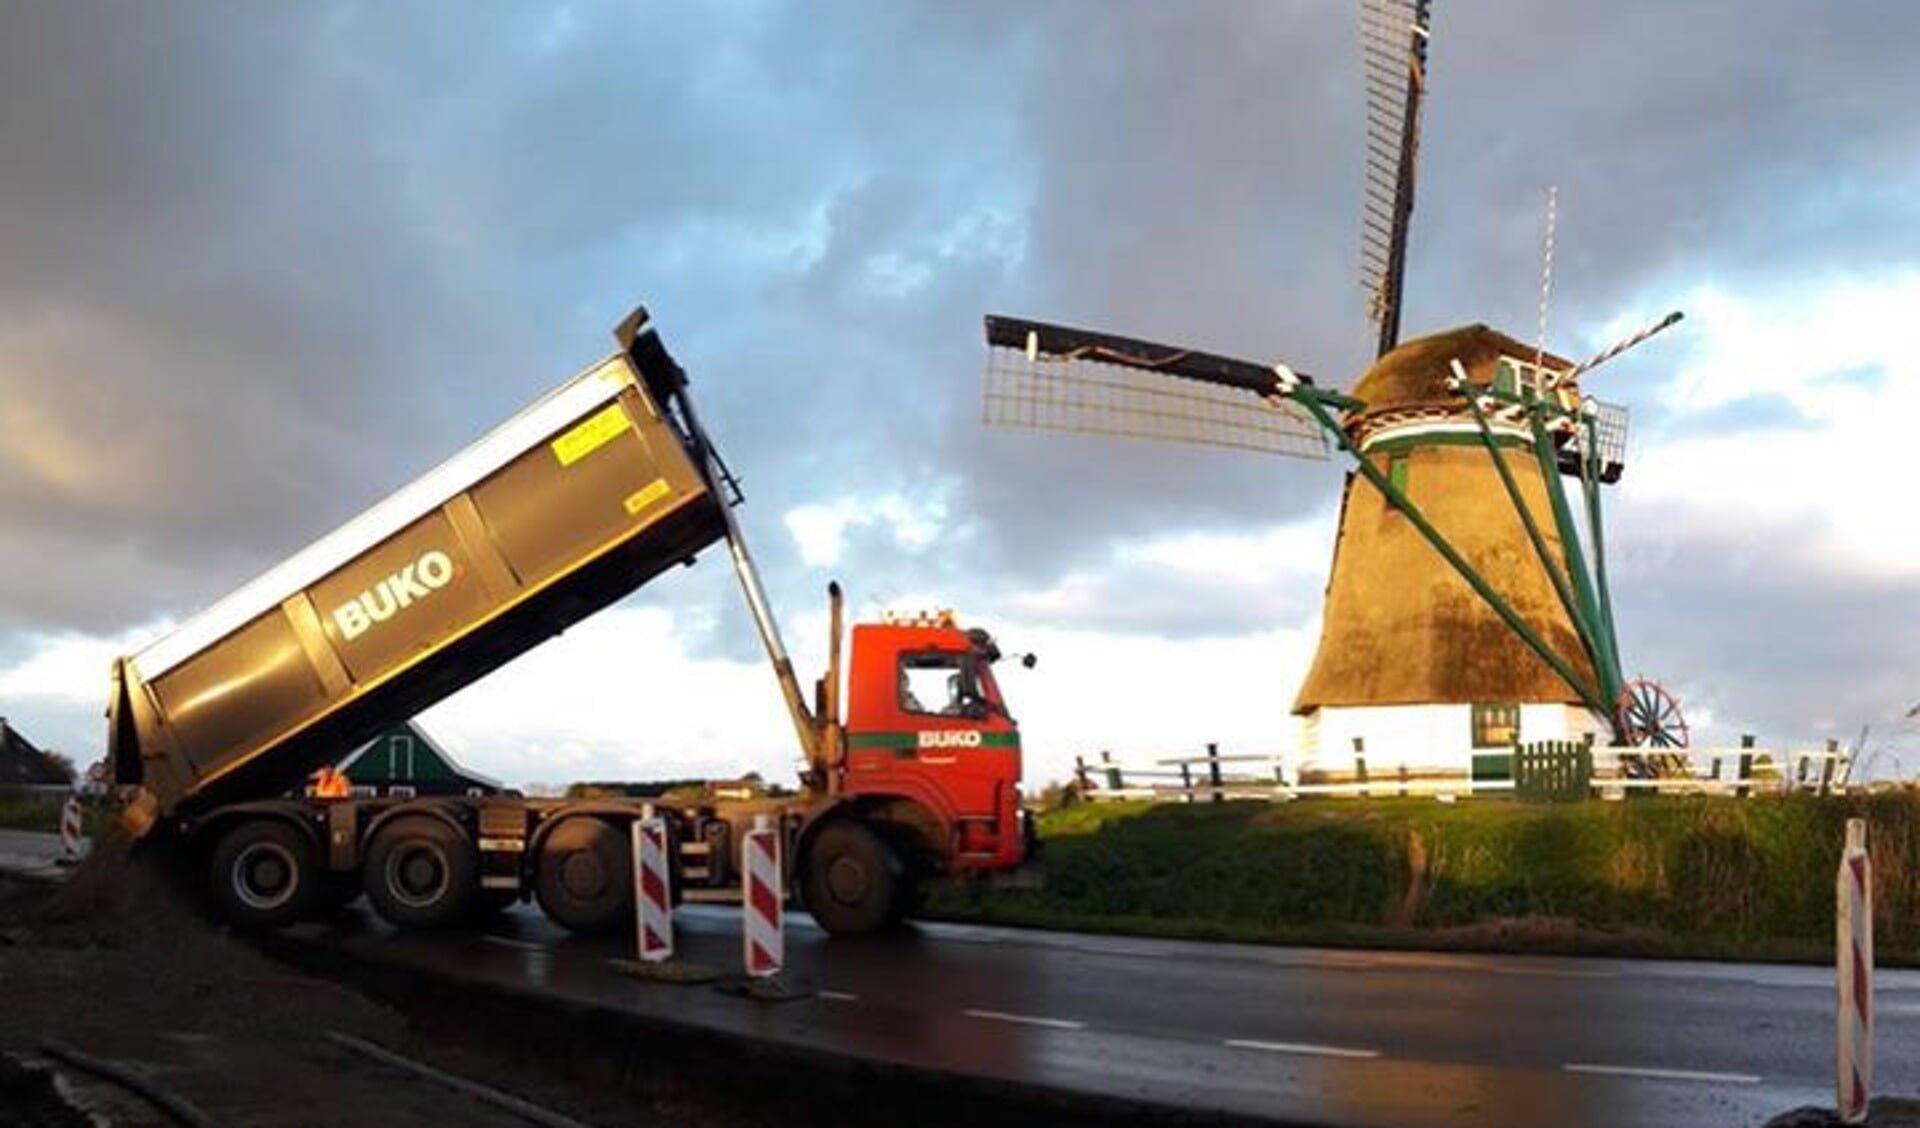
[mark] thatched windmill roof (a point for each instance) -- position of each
(1414, 376)
(1400, 626)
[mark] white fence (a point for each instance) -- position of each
(1215, 777)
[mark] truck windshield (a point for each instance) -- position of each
(936, 682)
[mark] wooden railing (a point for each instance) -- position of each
(1608, 773)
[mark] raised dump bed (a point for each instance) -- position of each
(570, 505)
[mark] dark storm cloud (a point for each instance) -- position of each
(266, 262)
(210, 311)
(1699, 142)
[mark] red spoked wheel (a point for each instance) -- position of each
(1649, 716)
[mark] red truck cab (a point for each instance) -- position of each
(926, 726)
(924, 775)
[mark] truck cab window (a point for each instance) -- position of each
(936, 683)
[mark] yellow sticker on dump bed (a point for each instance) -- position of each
(653, 491)
(599, 428)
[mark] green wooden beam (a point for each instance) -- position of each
(1590, 482)
(1401, 502)
(1582, 628)
(1609, 670)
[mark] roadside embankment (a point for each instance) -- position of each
(1674, 877)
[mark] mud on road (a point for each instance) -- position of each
(122, 963)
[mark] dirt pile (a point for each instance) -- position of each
(121, 951)
(122, 965)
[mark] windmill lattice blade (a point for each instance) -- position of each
(1088, 396)
(1610, 440)
(1393, 51)
(1610, 436)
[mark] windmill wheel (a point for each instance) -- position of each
(1648, 716)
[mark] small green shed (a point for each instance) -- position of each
(405, 761)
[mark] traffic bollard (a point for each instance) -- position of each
(762, 896)
(1853, 975)
(72, 826)
(653, 887)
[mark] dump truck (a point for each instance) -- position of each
(575, 502)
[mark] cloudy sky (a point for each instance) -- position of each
(260, 264)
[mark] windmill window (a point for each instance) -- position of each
(1496, 725)
(1397, 472)
(1517, 377)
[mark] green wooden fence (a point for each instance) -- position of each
(1553, 771)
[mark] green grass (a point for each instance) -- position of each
(1707, 877)
(30, 814)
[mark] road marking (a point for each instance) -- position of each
(1027, 1020)
(1300, 1048)
(836, 996)
(1663, 1074)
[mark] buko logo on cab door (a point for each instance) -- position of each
(402, 589)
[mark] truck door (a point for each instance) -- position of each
(927, 722)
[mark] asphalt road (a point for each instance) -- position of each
(1299, 1036)
(1296, 1035)
(30, 852)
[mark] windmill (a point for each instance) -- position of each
(1468, 599)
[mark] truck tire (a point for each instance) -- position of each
(422, 873)
(583, 877)
(852, 881)
(264, 875)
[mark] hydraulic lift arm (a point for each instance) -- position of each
(667, 381)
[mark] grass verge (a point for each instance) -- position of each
(1680, 877)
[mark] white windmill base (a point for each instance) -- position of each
(1423, 742)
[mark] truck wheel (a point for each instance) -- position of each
(584, 876)
(264, 875)
(421, 873)
(851, 880)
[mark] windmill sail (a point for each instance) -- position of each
(1610, 443)
(1393, 47)
(1052, 378)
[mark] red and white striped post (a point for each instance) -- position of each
(1853, 974)
(761, 899)
(652, 887)
(71, 829)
